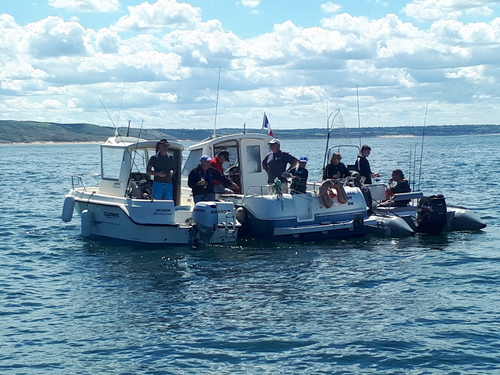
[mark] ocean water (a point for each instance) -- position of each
(420, 305)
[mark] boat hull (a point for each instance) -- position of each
(151, 222)
(302, 217)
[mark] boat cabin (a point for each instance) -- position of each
(246, 152)
(123, 167)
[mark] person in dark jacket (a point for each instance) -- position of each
(275, 164)
(335, 169)
(201, 180)
(299, 176)
(362, 165)
(402, 186)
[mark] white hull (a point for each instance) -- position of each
(152, 222)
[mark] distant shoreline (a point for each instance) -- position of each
(282, 137)
(31, 132)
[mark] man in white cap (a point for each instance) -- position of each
(275, 164)
(201, 180)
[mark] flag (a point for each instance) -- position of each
(266, 125)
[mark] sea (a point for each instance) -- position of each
(419, 305)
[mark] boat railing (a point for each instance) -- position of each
(77, 180)
(407, 196)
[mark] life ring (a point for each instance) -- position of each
(329, 189)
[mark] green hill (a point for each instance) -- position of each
(32, 131)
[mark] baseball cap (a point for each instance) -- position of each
(274, 141)
(303, 159)
(205, 158)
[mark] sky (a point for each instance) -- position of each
(201, 64)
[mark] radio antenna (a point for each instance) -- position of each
(217, 104)
(422, 146)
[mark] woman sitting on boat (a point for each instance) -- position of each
(335, 169)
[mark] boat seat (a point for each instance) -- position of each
(406, 196)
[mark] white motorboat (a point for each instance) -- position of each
(326, 211)
(120, 205)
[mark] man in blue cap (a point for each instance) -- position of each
(201, 180)
(299, 176)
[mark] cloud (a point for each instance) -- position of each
(97, 6)
(434, 10)
(52, 37)
(330, 7)
(250, 3)
(162, 14)
(171, 59)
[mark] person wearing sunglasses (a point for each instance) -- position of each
(335, 169)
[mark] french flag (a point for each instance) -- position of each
(265, 125)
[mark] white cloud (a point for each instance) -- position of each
(163, 13)
(52, 37)
(98, 6)
(61, 68)
(434, 10)
(331, 7)
(250, 3)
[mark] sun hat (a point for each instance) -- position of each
(303, 159)
(205, 158)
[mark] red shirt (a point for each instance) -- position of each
(214, 163)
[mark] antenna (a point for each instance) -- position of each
(422, 147)
(217, 104)
(121, 103)
(128, 128)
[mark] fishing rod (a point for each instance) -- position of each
(359, 117)
(329, 127)
(106, 110)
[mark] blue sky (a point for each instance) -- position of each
(157, 61)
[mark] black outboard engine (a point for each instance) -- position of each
(431, 215)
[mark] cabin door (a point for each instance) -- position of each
(253, 178)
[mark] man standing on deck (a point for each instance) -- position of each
(275, 164)
(161, 166)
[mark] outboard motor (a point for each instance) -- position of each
(431, 215)
(368, 199)
(205, 217)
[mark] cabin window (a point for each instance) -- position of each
(140, 160)
(253, 159)
(111, 162)
(192, 161)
